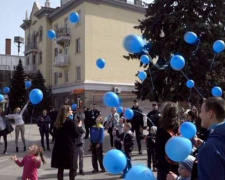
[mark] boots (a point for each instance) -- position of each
(24, 148)
(17, 149)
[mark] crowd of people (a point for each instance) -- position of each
(69, 129)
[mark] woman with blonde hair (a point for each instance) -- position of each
(63, 154)
(19, 125)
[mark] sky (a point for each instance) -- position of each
(12, 14)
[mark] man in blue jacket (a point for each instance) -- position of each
(211, 155)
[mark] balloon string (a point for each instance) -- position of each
(196, 48)
(31, 121)
(194, 86)
(153, 88)
(212, 62)
(146, 116)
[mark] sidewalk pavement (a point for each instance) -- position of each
(10, 171)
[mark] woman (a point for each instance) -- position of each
(4, 129)
(43, 124)
(63, 154)
(168, 127)
(112, 121)
(19, 125)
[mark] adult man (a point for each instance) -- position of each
(137, 123)
(153, 116)
(94, 114)
(211, 161)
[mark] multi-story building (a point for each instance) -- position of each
(68, 63)
(8, 64)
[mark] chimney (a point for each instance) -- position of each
(8, 46)
(47, 3)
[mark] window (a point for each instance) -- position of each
(78, 72)
(40, 57)
(78, 48)
(27, 61)
(66, 50)
(66, 76)
(56, 52)
(33, 59)
(40, 33)
(79, 13)
(55, 78)
(66, 23)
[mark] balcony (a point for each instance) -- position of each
(62, 60)
(29, 69)
(31, 48)
(63, 36)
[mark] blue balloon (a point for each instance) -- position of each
(51, 34)
(129, 113)
(111, 99)
(1, 98)
(145, 59)
(140, 172)
(142, 75)
(190, 37)
(188, 130)
(71, 117)
(178, 148)
(74, 17)
(6, 90)
(119, 109)
(218, 46)
(190, 83)
(74, 107)
(100, 63)
(36, 96)
(114, 161)
(28, 84)
(177, 62)
(217, 91)
(133, 43)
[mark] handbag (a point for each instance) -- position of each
(8, 126)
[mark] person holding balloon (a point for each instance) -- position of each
(168, 128)
(120, 128)
(184, 170)
(127, 140)
(211, 153)
(19, 125)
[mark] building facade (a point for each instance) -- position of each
(68, 63)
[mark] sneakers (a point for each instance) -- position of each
(81, 173)
(4, 152)
(95, 171)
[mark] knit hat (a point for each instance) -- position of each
(188, 163)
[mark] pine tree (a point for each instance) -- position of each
(39, 82)
(165, 24)
(17, 96)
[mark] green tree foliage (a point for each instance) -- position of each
(165, 24)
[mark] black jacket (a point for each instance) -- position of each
(154, 116)
(137, 120)
(127, 139)
(44, 125)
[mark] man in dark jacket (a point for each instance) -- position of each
(211, 161)
(94, 113)
(154, 116)
(137, 124)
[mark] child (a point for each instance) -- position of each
(150, 143)
(127, 140)
(80, 146)
(184, 170)
(31, 162)
(96, 140)
(119, 127)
